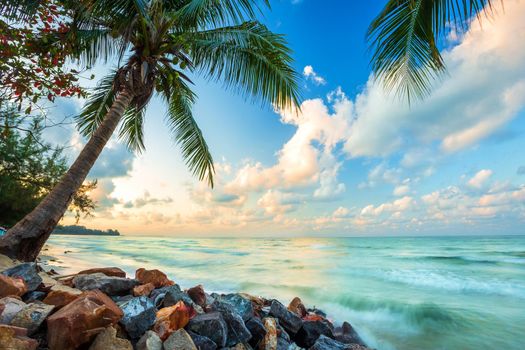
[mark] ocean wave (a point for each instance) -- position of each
(464, 260)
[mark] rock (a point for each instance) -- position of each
(10, 307)
(240, 304)
(47, 281)
(325, 343)
(107, 284)
(202, 342)
(158, 278)
(139, 316)
(237, 331)
(311, 331)
(269, 341)
(13, 286)
(290, 321)
(32, 316)
(179, 340)
(174, 295)
(149, 341)
(107, 340)
(346, 334)
(297, 307)
(172, 318)
(257, 330)
(283, 343)
(197, 295)
(108, 271)
(14, 338)
(143, 289)
(34, 296)
(210, 325)
(6, 262)
(317, 312)
(61, 295)
(78, 322)
(27, 272)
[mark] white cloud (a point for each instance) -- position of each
(480, 179)
(401, 190)
(309, 73)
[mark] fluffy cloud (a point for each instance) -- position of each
(480, 179)
(310, 74)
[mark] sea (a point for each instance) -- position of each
(398, 292)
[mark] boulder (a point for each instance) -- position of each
(237, 331)
(297, 307)
(179, 340)
(26, 271)
(311, 331)
(61, 295)
(240, 304)
(143, 289)
(210, 325)
(172, 318)
(32, 316)
(78, 322)
(149, 341)
(197, 295)
(158, 278)
(14, 338)
(257, 330)
(9, 308)
(325, 343)
(202, 342)
(284, 343)
(47, 281)
(34, 296)
(108, 271)
(107, 284)
(107, 340)
(174, 294)
(316, 312)
(12, 286)
(269, 342)
(346, 334)
(139, 316)
(6, 262)
(290, 321)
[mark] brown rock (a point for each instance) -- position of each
(14, 338)
(108, 271)
(172, 318)
(197, 295)
(269, 341)
(61, 295)
(297, 307)
(158, 278)
(143, 289)
(78, 322)
(10, 286)
(107, 340)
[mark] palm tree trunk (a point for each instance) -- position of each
(25, 240)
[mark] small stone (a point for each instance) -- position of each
(311, 331)
(149, 341)
(107, 340)
(158, 278)
(12, 286)
(269, 341)
(32, 316)
(240, 304)
(197, 295)
(257, 330)
(107, 284)
(108, 271)
(290, 321)
(202, 342)
(143, 289)
(172, 318)
(210, 325)
(61, 295)
(139, 316)
(26, 271)
(237, 331)
(297, 307)
(10, 307)
(179, 340)
(14, 338)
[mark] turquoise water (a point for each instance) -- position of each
(399, 293)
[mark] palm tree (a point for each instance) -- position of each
(404, 37)
(161, 43)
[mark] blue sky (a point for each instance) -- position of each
(357, 161)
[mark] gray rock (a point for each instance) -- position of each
(237, 331)
(290, 321)
(311, 331)
(174, 294)
(108, 340)
(179, 340)
(240, 304)
(139, 316)
(257, 330)
(210, 325)
(149, 341)
(346, 334)
(109, 285)
(11, 306)
(34, 296)
(32, 316)
(283, 344)
(325, 343)
(28, 272)
(202, 342)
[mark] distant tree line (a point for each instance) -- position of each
(82, 230)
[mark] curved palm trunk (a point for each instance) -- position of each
(25, 240)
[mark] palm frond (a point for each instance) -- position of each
(132, 129)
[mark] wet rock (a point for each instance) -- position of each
(107, 284)
(257, 330)
(14, 338)
(143, 289)
(149, 341)
(158, 278)
(139, 316)
(202, 342)
(108, 271)
(240, 304)
(297, 307)
(210, 325)
(269, 341)
(32, 316)
(172, 318)
(179, 340)
(9, 308)
(283, 343)
(237, 331)
(197, 295)
(107, 340)
(325, 343)
(311, 331)
(78, 322)
(12, 286)
(61, 295)
(346, 334)
(26, 271)
(121, 299)
(317, 312)
(174, 294)
(290, 321)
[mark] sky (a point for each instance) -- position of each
(355, 161)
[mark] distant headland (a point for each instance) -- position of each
(82, 230)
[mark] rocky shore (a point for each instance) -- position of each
(103, 309)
